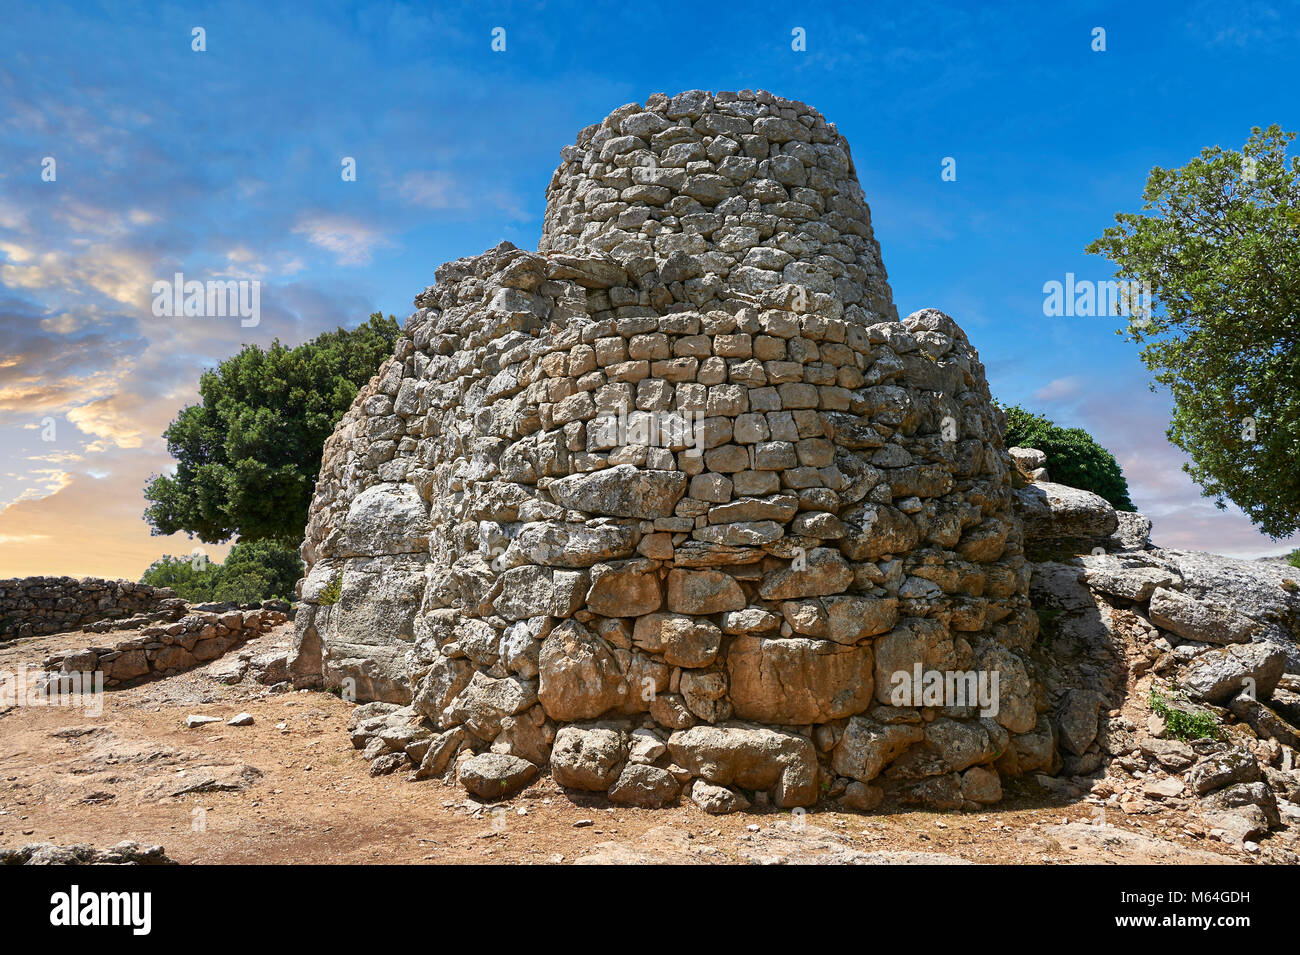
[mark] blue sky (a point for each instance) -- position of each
(226, 163)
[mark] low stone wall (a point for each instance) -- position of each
(162, 650)
(31, 606)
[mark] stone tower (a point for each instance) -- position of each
(676, 503)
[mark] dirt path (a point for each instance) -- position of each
(289, 789)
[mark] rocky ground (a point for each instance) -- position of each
(288, 788)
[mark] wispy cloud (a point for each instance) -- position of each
(109, 423)
(432, 190)
(1244, 24)
(1060, 389)
(351, 242)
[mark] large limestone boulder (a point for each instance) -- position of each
(1130, 576)
(580, 677)
(622, 491)
(751, 757)
(1198, 620)
(588, 758)
(1133, 532)
(1059, 513)
(797, 680)
(366, 633)
(385, 519)
(493, 776)
(868, 746)
(648, 787)
(1218, 676)
(1266, 592)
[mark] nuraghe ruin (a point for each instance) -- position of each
(676, 505)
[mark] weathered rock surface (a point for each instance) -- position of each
(648, 787)
(1131, 577)
(494, 776)
(588, 758)
(867, 746)
(717, 800)
(1056, 512)
(750, 757)
(580, 678)
(798, 680)
(1194, 619)
(1223, 769)
(1255, 589)
(47, 853)
(1219, 675)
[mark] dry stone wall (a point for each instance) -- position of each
(752, 190)
(670, 506)
(31, 606)
(190, 637)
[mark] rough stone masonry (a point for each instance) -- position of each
(670, 505)
(31, 606)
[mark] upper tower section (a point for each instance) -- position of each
(758, 190)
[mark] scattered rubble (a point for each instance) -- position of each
(47, 853)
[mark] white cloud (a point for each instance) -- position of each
(43, 483)
(1060, 389)
(122, 274)
(110, 426)
(432, 190)
(351, 242)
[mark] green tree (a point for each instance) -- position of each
(278, 568)
(1073, 457)
(248, 454)
(1219, 248)
(253, 571)
(190, 582)
(248, 586)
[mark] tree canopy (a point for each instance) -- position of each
(1074, 458)
(1218, 243)
(252, 572)
(248, 454)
